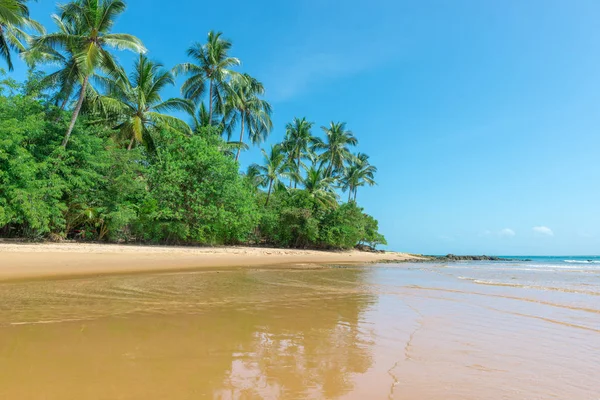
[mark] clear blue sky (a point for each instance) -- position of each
(482, 117)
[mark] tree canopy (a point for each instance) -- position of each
(90, 151)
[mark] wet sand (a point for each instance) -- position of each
(412, 331)
(20, 260)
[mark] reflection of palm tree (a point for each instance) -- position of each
(306, 347)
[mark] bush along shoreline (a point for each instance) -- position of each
(90, 150)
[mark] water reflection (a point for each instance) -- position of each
(261, 334)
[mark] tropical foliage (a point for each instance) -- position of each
(89, 151)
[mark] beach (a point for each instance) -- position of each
(25, 260)
(449, 331)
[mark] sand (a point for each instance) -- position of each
(19, 260)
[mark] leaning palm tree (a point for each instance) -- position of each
(298, 143)
(358, 173)
(273, 170)
(67, 77)
(135, 107)
(244, 104)
(336, 147)
(14, 18)
(94, 19)
(212, 64)
(320, 186)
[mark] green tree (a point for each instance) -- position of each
(134, 106)
(298, 143)
(212, 64)
(196, 194)
(94, 20)
(273, 170)
(14, 19)
(336, 147)
(243, 103)
(358, 173)
(320, 187)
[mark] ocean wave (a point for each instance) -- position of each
(582, 261)
(526, 286)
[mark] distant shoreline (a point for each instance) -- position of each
(31, 260)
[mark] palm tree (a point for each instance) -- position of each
(135, 106)
(298, 143)
(14, 17)
(68, 76)
(243, 103)
(94, 19)
(320, 186)
(273, 170)
(212, 65)
(202, 119)
(337, 147)
(358, 173)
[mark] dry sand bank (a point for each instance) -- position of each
(64, 259)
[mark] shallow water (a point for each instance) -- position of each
(423, 331)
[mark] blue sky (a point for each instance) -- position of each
(482, 117)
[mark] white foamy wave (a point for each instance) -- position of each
(582, 261)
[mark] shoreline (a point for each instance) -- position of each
(20, 261)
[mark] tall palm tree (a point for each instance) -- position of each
(273, 170)
(358, 173)
(67, 77)
(320, 186)
(212, 64)
(298, 143)
(14, 18)
(94, 19)
(336, 147)
(134, 104)
(244, 104)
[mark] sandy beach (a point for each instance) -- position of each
(24, 260)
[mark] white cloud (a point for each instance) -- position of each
(506, 232)
(543, 230)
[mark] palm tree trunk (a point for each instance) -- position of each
(210, 103)
(349, 194)
(130, 144)
(355, 191)
(298, 171)
(237, 157)
(62, 108)
(330, 168)
(75, 112)
(269, 193)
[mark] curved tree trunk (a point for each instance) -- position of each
(298, 171)
(210, 103)
(237, 157)
(269, 193)
(130, 144)
(62, 108)
(349, 194)
(75, 112)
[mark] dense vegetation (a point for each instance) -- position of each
(91, 152)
